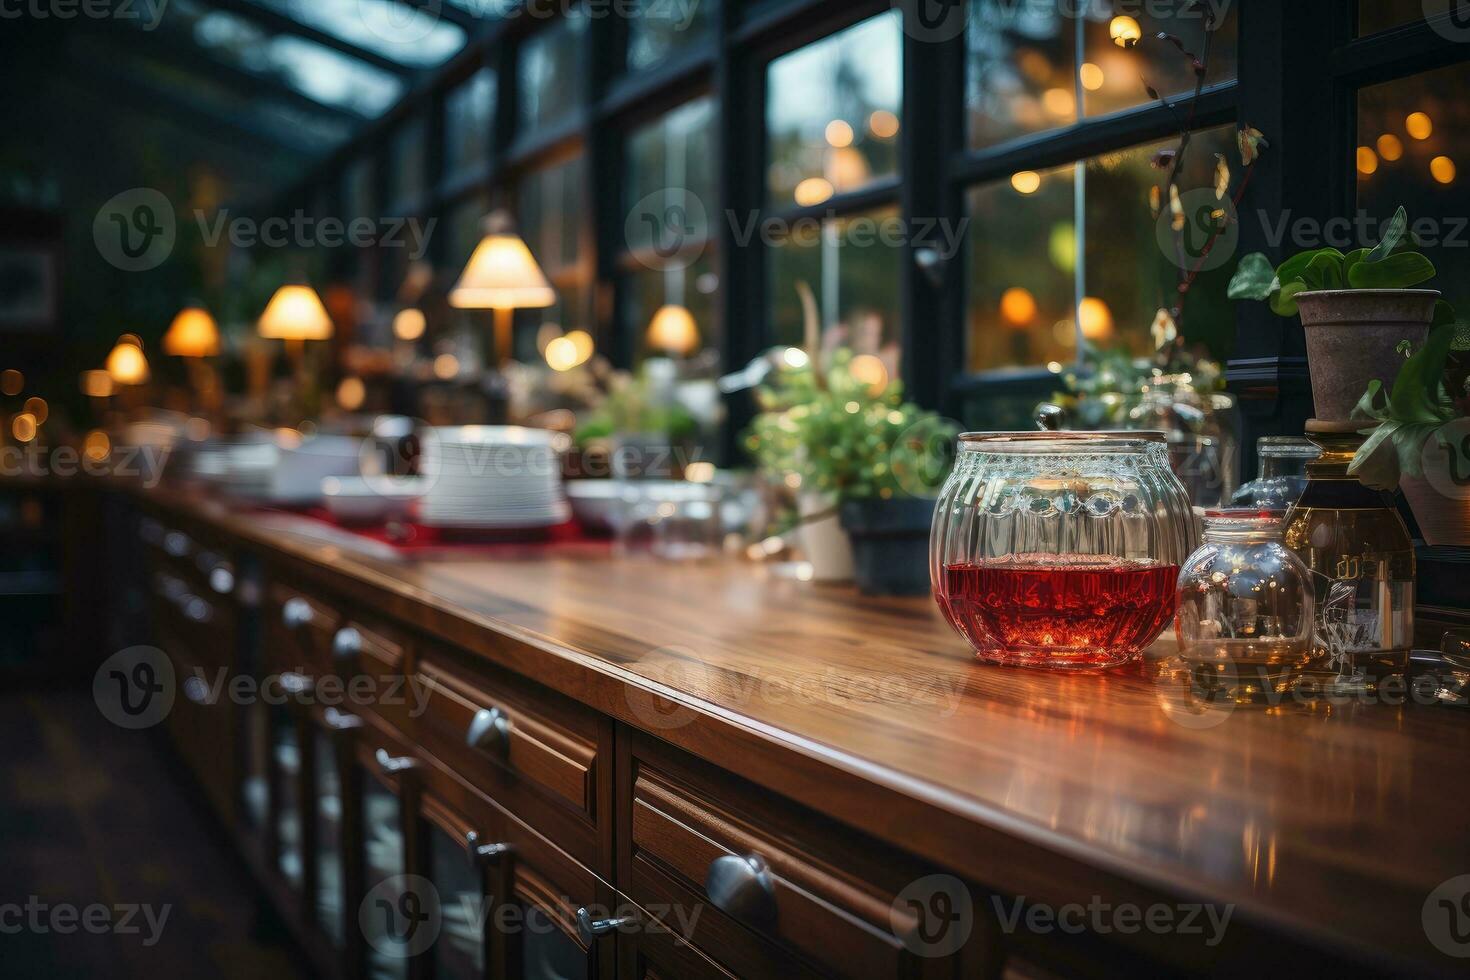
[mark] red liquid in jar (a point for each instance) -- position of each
(1060, 610)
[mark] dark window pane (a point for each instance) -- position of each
(409, 164)
(1375, 16)
(1026, 294)
(357, 190)
(548, 952)
(1416, 143)
(462, 229)
(549, 72)
(550, 210)
(329, 894)
(404, 34)
(671, 172)
(851, 266)
(696, 288)
(382, 825)
(660, 28)
(833, 112)
(1119, 73)
(459, 952)
(469, 112)
(287, 749)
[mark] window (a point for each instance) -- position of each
(409, 168)
(463, 227)
(833, 112)
(386, 27)
(1414, 136)
(469, 117)
(1376, 16)
(550, 204)
(659, 29)
(549, 69)
(671, 201)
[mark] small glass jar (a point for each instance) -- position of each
(1060, 549)
(1283, 474)
(1246, 608)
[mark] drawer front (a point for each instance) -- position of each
(778, 888)
(300, 628)
(543, 757)
(200, 723)
(370, 659)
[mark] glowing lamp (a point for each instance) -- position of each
(673, 331)
(295, 313)
(192, 334)
(126, 365)
(502, 275)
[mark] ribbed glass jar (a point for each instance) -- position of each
(1060, 549)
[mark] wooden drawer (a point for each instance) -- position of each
(200, 723)
(544, 757)
(801, 896)
(299, 629)
(371, 659)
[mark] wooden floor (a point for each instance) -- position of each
(89, 817)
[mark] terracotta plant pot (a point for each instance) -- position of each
(1443, 521)
(1352, 339)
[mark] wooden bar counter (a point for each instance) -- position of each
(826, 784)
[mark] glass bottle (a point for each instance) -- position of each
(1362, 562)
(1283, 475)
(1246, 608)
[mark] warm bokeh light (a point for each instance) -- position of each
(351, 393)
(96, 446)
(1060, 102)
(409, 324)
(37, 406)
(1419, 125)
(561, 354)
(1443, 170)
(839, 133)
(1367, 161)
(1390, 147)
(813, 191)
(1018, 307)
(1026, 182)
(582, 341)
(847, 169)
(126, 365)
(96, 384)
(1095, 318)
(871, 371)
(288, 438)
(11, 381)
(23, 427)
(673, 331)
(1124, 31)
(446, 367)
(700, 472)
(795, 358)
(295, 313)
(192, 334)
(1092, 76)
(883, 124)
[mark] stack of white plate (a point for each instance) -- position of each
(486, 477)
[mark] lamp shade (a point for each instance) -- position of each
(126, 365)
(673, 330)
(193, 334)
(295, 313)
(502, 275)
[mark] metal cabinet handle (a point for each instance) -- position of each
(296, 613)
(197, 691)
(295, 684)
(176, 543)
(196, 609)
(482, 853)
(591, 929)
(347, 644)
(222, 579)
(489, 729)
(341, 721)
(742, 887)
(393, 765)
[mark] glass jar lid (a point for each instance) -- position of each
(1048, 443)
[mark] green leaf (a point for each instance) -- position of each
(1350, 260)
(1295, 268)
(1408, 442)
(1253, 279)
(1368, 406)
(1395, 272)
(1415, 397)
(1376, 463)
(1284, 302)
(1443, 313)
(1392, 235)
(1325, 271)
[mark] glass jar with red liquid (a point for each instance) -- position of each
(1060, 549)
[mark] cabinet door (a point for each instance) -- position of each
(390, 914)
(288, 775)
(455, 854)
(334, 822)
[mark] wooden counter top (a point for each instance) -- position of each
(1331, 822)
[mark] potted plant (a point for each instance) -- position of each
(860, 459)
(1421, 444)
(1355, 308)
(641, 426)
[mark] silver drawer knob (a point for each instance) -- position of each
(482, 853)
(490, 729)
(296, 613)
(347, 644)
(394, 764)
(742, 887)
(591, 929)
(341, 721)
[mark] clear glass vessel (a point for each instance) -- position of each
(1362, 562)
(1283, 474)
(1247, 607)
(1060, 549)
